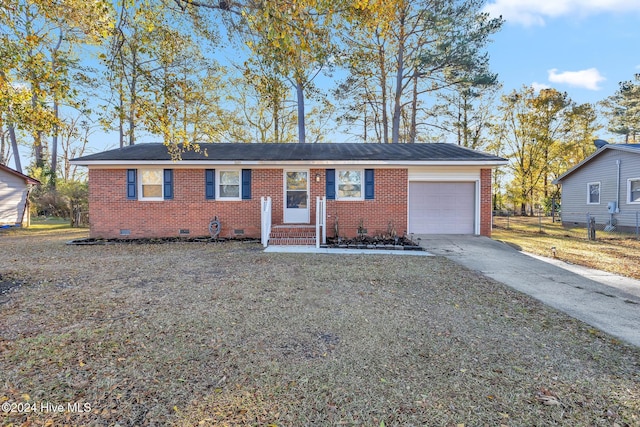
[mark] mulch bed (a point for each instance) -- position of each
(368, 242)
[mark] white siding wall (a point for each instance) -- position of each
(601, 169)
(13, 194)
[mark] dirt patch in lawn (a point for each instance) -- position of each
(202, 334)
(7, 284)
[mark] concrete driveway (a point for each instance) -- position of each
(608, 302)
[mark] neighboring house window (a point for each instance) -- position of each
(233, 184)
(593, 193)
(154, 184)
(634, 190)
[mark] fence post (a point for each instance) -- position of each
(540, 222)
(591, 227)
(587, 224)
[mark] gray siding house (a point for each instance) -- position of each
(605, 186)
(14, 196)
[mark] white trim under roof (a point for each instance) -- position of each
(620, 147)
(265, 164)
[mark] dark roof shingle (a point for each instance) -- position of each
(296, 152)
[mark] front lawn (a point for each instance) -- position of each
(223, 334)
(616, 253)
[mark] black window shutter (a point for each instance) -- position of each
(331, 184)
(210, 183)
(246, 184)
(168, 184)
(131, 183)
(368, 184)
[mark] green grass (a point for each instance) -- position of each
(42, 226)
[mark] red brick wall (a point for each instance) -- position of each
(485, 202)
(387, 209)
(110, 210)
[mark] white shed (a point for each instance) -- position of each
(14, 196)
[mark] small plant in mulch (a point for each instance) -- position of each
(373, 242)
(388, 239)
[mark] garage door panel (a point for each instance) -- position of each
(442, 207)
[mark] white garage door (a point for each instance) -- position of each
(442, 207)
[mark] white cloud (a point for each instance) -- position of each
(539, 86)
(588, 79)
(534, 12)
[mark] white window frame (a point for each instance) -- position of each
(629, 200)
(219, 183)
(589, 184)
(140, 184)
(362, 183)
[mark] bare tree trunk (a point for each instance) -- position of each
(276, 120)
(3, 147)
(413, 131)
(132, 112)
(133, 99)
(56, 115)
(383, 87)
(300, 99)
(38, 148)
(365, 122)
(12, 137)
(397, 99)
(121, 115)
(54, 147)
(14, 146)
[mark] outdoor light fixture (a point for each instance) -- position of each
(317, 177)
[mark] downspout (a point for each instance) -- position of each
(618, 187)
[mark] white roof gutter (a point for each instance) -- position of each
(262, 163)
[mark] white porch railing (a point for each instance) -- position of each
(265, 218)
(321, 220)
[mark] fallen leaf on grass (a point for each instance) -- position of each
(547, 398)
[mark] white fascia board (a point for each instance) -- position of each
(620, 147)
(111, 164)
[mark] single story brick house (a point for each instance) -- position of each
(606, 187)
(14, 196)
(138, 191)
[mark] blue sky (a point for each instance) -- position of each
(582, 47)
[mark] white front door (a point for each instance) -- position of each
(296, 196)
